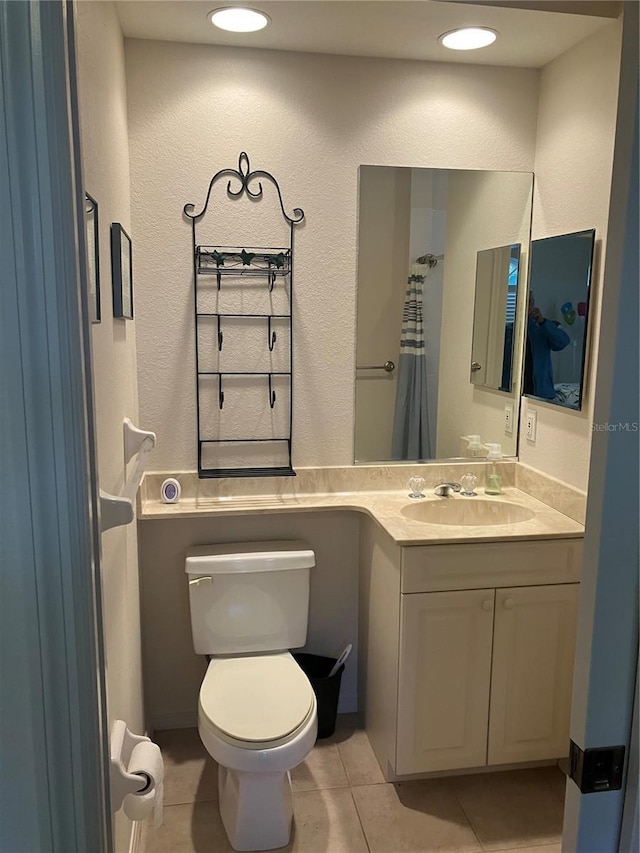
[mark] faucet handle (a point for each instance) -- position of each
(416, 484)
(469, 482)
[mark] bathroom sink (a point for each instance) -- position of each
(467, 511)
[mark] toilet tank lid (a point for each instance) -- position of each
(249, 557)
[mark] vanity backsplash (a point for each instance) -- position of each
(371, 478)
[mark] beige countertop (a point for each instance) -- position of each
(385, 507)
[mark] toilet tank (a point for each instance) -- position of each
(249, 596)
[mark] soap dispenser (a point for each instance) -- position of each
(474, 445)
(493, 484)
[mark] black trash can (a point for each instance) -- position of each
(327, 689)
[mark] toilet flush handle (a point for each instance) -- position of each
(198, 581)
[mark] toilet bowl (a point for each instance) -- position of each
(257, 713)
(257, 717)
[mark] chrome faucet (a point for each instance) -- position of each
(443, 490)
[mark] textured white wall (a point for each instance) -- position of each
(310, 120)
(574, 156)
(103, 119)
(483, 210)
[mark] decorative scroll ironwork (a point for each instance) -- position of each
(246, 177)
(250, 264)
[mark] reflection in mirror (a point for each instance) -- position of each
(494, 317)
(420, 232)
(559, 282)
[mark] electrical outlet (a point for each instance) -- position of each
(531, 421)
(508, 419)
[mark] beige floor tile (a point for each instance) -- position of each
(326, 822)
(355, 751)
(189, 828)
(518, 808)
(414, 817)
(360, 763)
(322, 768)
(190, 773)
(546, 848)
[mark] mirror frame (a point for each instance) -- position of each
(92, 231)
(587, 326)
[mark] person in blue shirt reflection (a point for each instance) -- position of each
(543, 337)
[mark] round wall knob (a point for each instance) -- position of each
(487, 604)
(508, 603)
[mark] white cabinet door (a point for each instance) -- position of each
(533, 651)
(443, 688)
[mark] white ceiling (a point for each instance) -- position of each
(394, 29)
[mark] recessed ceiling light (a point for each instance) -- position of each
(468, 38)
(238, 19)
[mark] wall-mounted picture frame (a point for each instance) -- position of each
(93, 256)
(121, 272)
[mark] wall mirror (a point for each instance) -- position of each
(420, 233)
(557, 314)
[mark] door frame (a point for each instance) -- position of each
(604, 682)
(54, 762)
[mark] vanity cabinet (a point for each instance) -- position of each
(534, 638)
(481, 673)
(485, 677)
(444, 680)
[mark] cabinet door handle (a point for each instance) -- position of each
(487, 604)
(508, 603)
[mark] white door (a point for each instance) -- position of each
(443, 689)
(533, 653)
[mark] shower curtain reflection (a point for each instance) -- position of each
(411, 417)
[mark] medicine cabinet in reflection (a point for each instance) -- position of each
(494, 317)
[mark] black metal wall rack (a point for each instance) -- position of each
(234, 266)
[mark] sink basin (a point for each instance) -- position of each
(467, 511)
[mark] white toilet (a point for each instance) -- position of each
(257, 710)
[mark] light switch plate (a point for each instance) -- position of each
(531, 423)
(508, 419)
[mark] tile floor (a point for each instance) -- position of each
(343, 805)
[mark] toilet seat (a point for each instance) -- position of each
(256, 702)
